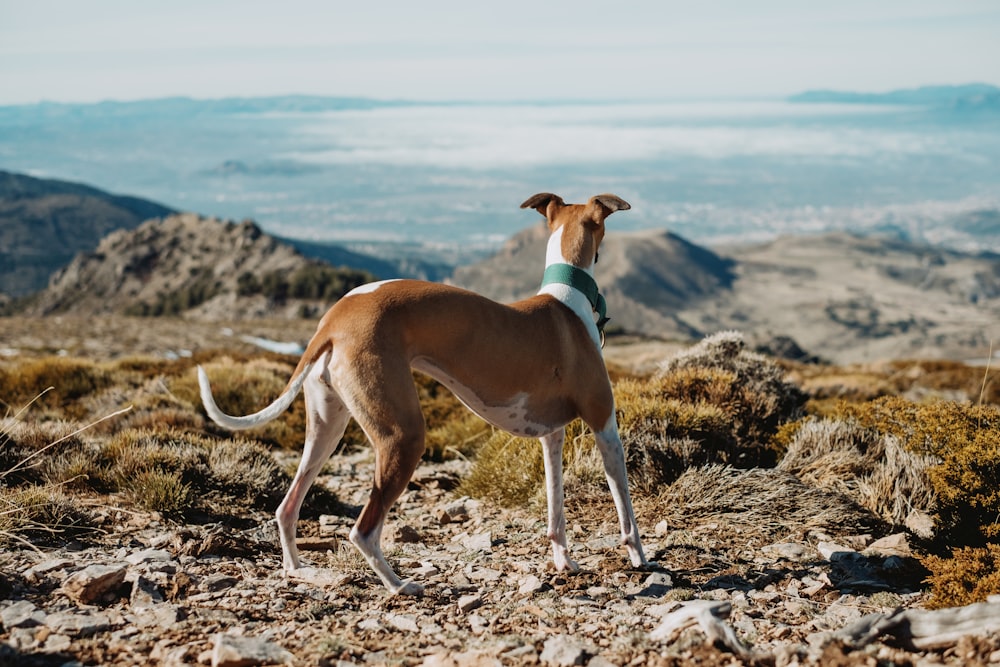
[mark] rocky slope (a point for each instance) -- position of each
(157, 593)
(192, 266)
(44, 223)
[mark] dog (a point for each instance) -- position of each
(528, 367)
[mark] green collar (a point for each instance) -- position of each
(567, 274)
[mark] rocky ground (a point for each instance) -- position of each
(152, 592)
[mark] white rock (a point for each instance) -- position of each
(90, 583)
(21, 614)
(233, 651)
(530, 585)
(467, 603)
(563, 651)
(479, 542)
(77, 625)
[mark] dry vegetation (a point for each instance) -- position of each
(718, 434)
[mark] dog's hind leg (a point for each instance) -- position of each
(393, 422)
(326, 421)
(609, 443)
(552, 448)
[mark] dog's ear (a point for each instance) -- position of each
(609, 204)
(541, 202)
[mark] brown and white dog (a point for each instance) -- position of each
(529, 368)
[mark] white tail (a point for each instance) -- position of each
(263, 416)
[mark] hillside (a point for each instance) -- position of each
(44, 223)
(196, 267)
(842, 297)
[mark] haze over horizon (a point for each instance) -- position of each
(57, 50)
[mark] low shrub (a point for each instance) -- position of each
(969, 575)
(964, 443)
(749, 388)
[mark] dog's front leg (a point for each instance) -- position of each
(609, 443)
(552, 447)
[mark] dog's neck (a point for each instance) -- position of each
(575, 287)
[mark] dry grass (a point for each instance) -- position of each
(765, 501)
(872, 469)
(702, 437)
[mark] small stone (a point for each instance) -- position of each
(467, 603)
(77, 625)
(485, 574)
(33, 573)
(443, 518)
(217, 582)
(407, 534)
(56, 643)
(161, 615)
(832, 551)
(798, 553)
(891, 545)
(530, 585)
(661, 529)
(92, 582)
(21, 614)
(479, 542)
(404, 622)
(920, 523)
(233, 651)
(563, 651)
(149, 556)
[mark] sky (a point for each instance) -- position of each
(75, 51)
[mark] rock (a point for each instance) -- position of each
(149, 556)
(832, 551)
(564, 651)
(233, 651)
(161, 615)
(920, 523)
(467, 603)
(891, 545)
(21, 614)
(406, 534)
(78, 625)
(792, 551)
(479, 542)
(144, 594)
(33, 573)
(217, 582)
(406, 622)
(91, 583)
(530, 585)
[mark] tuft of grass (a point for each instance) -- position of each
(71, 379)
(871, 468)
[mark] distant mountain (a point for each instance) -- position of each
(44, 223)
(975, 96)
(647, 277)
(406, 266)
(186, 106)
(841, 297)
(195, 267)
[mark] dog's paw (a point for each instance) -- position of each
(410, 588)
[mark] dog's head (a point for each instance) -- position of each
(580, 226)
